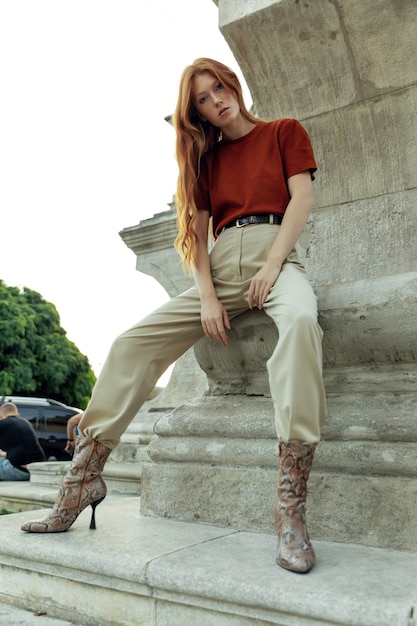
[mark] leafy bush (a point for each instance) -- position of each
(36, 357)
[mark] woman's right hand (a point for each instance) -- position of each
(214, 320)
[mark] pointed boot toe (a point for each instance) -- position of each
(40, 526)
(301, 561)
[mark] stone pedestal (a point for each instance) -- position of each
(215, 457)
(344, 72)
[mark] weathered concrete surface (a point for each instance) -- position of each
(167, 573)
(13, 616)
(215, 461)
(343, 51)
(365, 322)
(363, 239)
(153, 243)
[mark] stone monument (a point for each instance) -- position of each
(347, 70)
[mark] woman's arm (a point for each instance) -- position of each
(293, 223)
(214, 318)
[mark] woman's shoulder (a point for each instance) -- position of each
(288, 129)
(284, 123)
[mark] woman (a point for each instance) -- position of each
(248, 182)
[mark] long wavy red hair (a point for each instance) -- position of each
(193, 138)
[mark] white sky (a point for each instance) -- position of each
(85, 151)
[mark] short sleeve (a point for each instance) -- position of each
(296, 150)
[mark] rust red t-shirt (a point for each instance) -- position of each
(248, 176)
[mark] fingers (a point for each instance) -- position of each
(257, 296)
(261, 285)
(216, 333)
(216, 329)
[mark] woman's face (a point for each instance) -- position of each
(213, 103)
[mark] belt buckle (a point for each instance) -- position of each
(238, 224)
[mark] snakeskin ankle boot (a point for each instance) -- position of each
(82, 486)
(295, 551)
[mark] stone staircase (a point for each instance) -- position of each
(215, 461)
(141, 571)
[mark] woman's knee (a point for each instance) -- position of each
(125, 345)
(299, 320)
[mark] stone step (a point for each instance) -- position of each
(120, 477)
(142, 571)
(25, 496)
(215, 461)
(46, 479)
(13, 616)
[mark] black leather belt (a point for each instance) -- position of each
(254, 219)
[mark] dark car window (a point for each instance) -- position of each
(56, 419)
(33, 414)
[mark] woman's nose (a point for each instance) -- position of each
(217, 99)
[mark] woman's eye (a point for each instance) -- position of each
(219, 86)
(202, 100)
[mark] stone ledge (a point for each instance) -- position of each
(341, 507)
(360, 319)
(12, 615)
(382, 415)
(46, 479)
(370, 433)
(24, 496)
(136, 570)
(345, 457)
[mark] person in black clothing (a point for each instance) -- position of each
(18, 444)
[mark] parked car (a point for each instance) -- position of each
(49, 419)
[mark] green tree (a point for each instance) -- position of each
(36, 357)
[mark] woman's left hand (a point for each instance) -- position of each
(261, 284)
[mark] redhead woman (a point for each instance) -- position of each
(248, 184)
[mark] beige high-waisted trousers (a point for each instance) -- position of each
(139, 356)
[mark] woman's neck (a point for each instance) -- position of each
(238, 129)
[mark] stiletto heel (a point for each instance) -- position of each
(93, 514)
